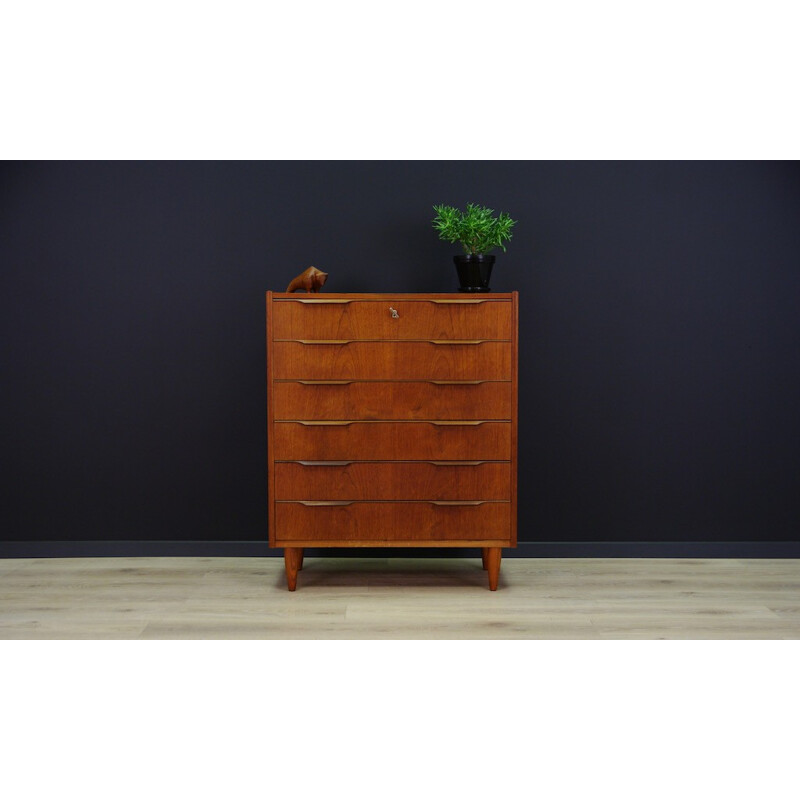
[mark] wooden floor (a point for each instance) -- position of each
(398, 598)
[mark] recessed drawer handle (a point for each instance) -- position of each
(385, 341)
(325, 383)
(461, 302)
(458, 422)
(323, 422)
(325, 463)
(457, 502)
(312, 302)
(458, 341)
(457, 383)
(457, 463)
(319, 341)
(442, 422)
(325, 502)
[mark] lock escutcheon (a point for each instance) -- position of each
(395, 315)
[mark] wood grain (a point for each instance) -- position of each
(393, 480)
(391, 441)
(392, 400)
(390, 361)
(387, 521)
(400, 598)
(372, 319)
(514, 413)
(392, 383)
(391, 544)
(270, 418)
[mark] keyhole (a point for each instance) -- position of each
(395, 315)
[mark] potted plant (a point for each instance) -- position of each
(478, 231)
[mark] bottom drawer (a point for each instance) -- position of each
(354, 522)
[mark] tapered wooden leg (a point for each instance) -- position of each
(493, 566)
(292, 556)
(484, 555)
(300, 562)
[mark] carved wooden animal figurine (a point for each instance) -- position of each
(311, 280)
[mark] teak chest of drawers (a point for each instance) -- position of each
(392, 422)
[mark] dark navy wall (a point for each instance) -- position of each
(659, 325)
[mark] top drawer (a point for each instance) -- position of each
(334, 318)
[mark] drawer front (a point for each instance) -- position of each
(391, 441)
(386, 400)
(393, 480)
(391, 361)
(371, 522)
(371, 319)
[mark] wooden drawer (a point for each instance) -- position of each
(390, 522)
(387, 400)
(391, 361)
(393, 480)
(391, 441)
(470, 318)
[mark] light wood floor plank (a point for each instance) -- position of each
(399, 598)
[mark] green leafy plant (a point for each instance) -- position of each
(477, 229)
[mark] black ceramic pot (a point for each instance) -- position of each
(474, 272)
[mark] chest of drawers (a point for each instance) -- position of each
(392, 422)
